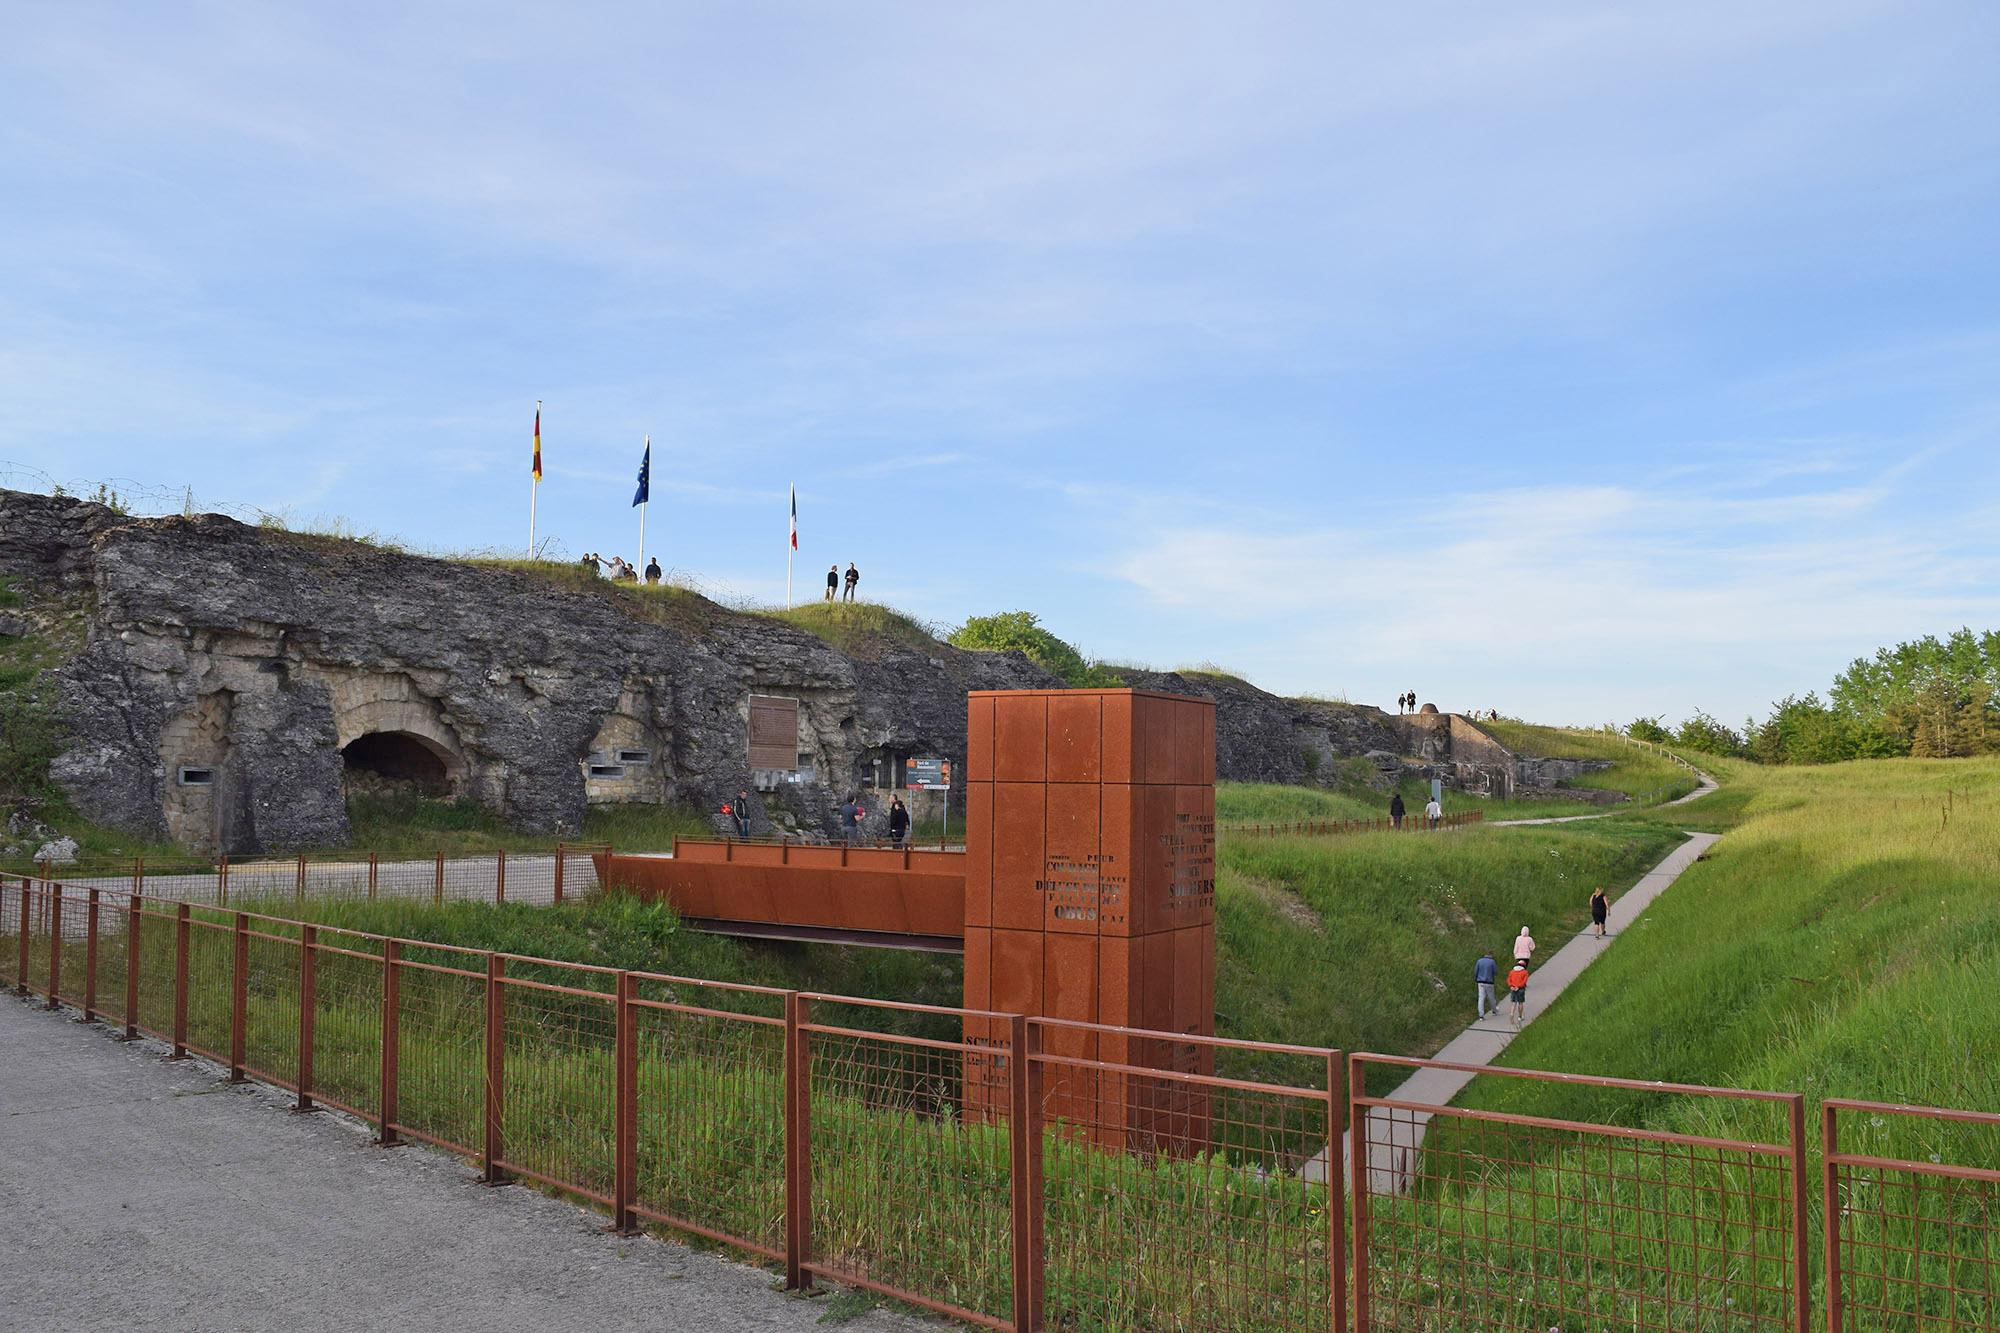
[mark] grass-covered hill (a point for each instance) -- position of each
(1842, 940)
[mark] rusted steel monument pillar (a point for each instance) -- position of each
(1090, 896)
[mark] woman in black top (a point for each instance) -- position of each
(1599, 906)
(899, 820)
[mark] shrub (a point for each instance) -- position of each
(1020, 631)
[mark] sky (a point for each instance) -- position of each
(1583, 362)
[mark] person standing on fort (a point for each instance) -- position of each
(653, 570)
(853, 577)
(1524, 947)
(1485, 972)
(589, 562)
(832, 580)
(1396, 810)
(742, 807)
(1600, 908)
(899, 821)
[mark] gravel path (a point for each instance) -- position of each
(143, 1194)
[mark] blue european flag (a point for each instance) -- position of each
(644, 492)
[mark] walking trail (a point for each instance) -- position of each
(1395, 1135)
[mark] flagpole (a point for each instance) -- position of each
(791, 548)
(649, 499)
(535, 486)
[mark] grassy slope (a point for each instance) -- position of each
(1636, 770)
(1842, 941)
(1367, 942)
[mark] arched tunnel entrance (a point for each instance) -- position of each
(398, 756)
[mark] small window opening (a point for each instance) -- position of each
(635, 756)
(197, 777)
(607, 770)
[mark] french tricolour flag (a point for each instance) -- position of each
(795, 518)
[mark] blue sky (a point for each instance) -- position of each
(1579, 361)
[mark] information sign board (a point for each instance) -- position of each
(927, 775)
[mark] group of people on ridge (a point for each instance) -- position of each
(1486, 972)
(617, 570)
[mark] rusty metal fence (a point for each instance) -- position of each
(1333, 828)
(1474, 1218)
(565, 871)
(1033, 1173)
(1912, 1243)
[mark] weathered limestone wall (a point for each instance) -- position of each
(260, 655)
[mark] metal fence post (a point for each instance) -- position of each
(437, 892)
(373, 866)
(392, 992)
(496, 1071)
(625, 1112)
(1801, 1262)
(500, 878)
(55, 943)
(1025, 1163)
(222, 879)
(90, 960)
(302, 875)
(798, 1143)
(1357, 1172)
(180, 983)
(559, 874)
(1830, 1204)
(308, 1001)
(21, 973)
(132, 957)
(138, 874)
(1336, 1215)
(239, 998)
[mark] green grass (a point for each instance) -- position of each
(1367, 942)
(861, 630)
(1635, 770)
(411, 825)
(1842, 941)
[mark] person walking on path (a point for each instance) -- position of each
(1485, 972)
(832, 580)
(1524, 947)
(1517, 990)
(743, 814)
(1396, 810)
(653, 570)
(1600, 907)
(853, 577)
(899, 821)
(1433, 812)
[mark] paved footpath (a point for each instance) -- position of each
(138, 1193)
(1396, 1135)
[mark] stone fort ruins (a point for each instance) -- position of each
(225, 686)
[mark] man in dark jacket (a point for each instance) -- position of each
(832, 581)
(853, 577)
(899, 821)
(1396, 810)
(741, 806)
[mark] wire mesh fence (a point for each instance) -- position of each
(1174, 1198)
(1912, 1217)
(1038, 1174)
(1480, 1218)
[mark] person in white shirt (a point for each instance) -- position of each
(1433, 811)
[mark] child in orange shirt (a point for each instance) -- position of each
(1517, 989)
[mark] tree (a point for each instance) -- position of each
(1020, 631)
(1647, 729)
(1702, 732)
